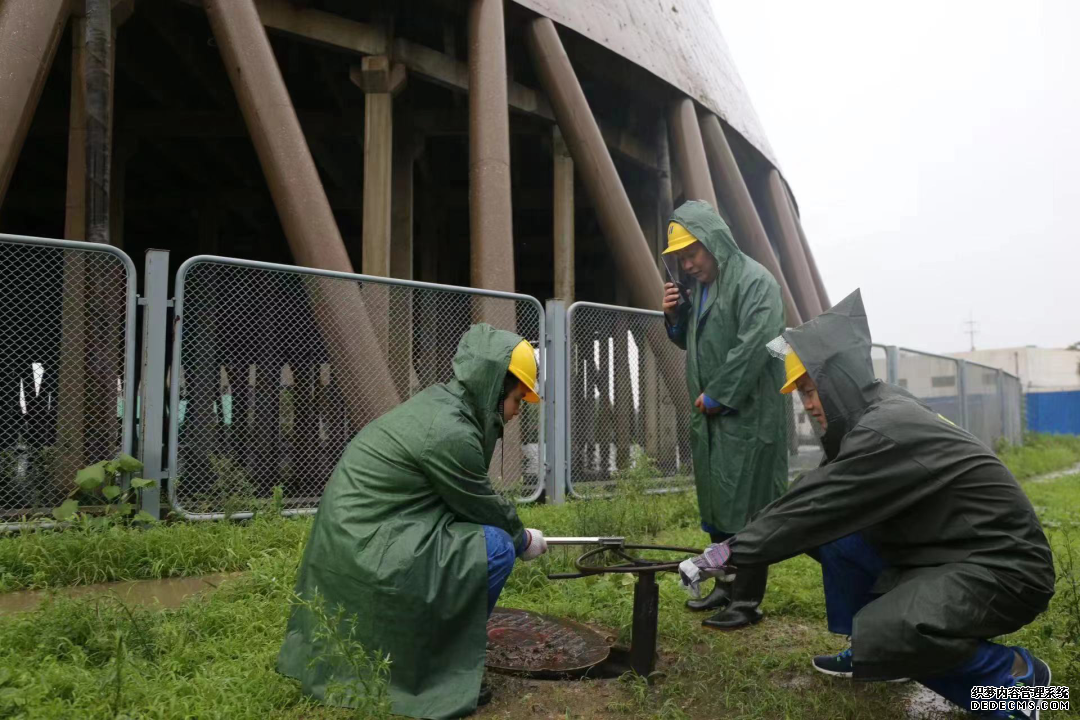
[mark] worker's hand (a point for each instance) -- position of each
(535, 545)
(703, 405)
(671, 302)
(711, 563)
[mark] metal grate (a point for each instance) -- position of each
(277, 367)
(66, 360)
(627, 400)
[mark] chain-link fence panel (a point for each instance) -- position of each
(982, 395)
(628, 406)
(275, 369)
(66, 363)
(934, 379)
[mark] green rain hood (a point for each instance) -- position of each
(967, 558)
(740, 460)
(398, 542)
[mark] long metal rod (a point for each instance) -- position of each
(746, 223)
(689, 151)
(30, 32)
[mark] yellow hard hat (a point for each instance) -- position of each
(523, 367)
(794, 369)
(678, 237)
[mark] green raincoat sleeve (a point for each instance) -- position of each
(759, 311)
(871, 480)
(454, 464)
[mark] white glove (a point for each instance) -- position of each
(535, 545)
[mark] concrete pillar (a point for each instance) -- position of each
(787, 235)
(665, 204)
(819, 284)
(30, 32)
(630, 252)
(689, 152)
(300, 199)
(746, 224)
(490, 211)
(564, 218)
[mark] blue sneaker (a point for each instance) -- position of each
(839, 665)
(1038, 674)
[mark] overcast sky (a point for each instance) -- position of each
(934, 148)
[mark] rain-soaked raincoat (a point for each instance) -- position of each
(967, 557)
(740, 460)
(398, 540)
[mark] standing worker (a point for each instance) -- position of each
(738, 428)
(928, 545)
(412, 541)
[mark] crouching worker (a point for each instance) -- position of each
(411, 538)
(928, 545)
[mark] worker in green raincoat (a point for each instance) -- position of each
(928, 545)
(738, 428)
(411, 539)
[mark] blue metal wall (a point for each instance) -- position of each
(1054, 412)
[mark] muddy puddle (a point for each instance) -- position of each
(167, 593)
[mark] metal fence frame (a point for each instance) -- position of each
(564, 432)
(129, 320)
(178, 332)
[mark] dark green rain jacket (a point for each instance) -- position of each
(398, 542)
(967, 557)
(740, 460)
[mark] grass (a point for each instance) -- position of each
(214, 657)
(1041, 454)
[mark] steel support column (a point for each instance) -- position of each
(746, 224)
(298, 195)
(30, 32)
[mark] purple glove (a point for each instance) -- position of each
(711, 563)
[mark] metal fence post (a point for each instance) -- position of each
(1004, 406)
(555, 407)
(155, 302)
(892, 364)
(961, 387)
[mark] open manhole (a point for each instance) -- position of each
(527, 643)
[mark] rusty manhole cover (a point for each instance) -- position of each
(524, 642)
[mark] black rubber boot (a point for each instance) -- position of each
(718, 598)
(745, 597)
(485, 694)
